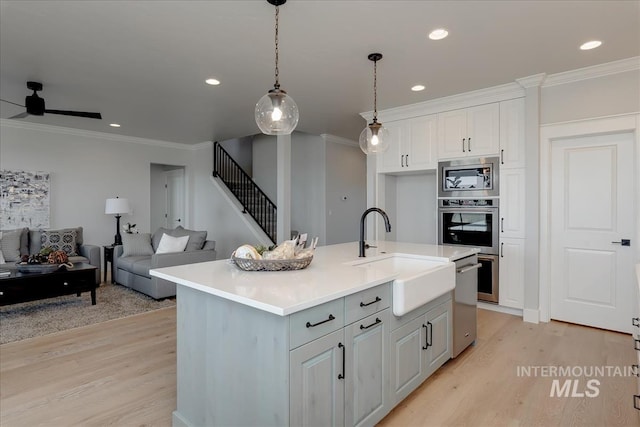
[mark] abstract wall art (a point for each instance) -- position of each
(24, 199)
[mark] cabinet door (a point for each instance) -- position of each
(406, 359)
(483, 130)
(439, 324)
(420, 153)
(512, 134)
(511, 276)
(367, 370)
(452, 129)
(316, 385)
(512, 214)
(392, 160)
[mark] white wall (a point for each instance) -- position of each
(241, 149)
(346, 177)
(265, 162)
(308, 159)
(596, 97)
(86, 169)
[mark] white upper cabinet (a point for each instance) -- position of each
(512, 201)
(469, 132)
(413, 145)
(512, 133)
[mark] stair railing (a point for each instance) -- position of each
(253, 200)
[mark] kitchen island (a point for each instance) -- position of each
(319, 345)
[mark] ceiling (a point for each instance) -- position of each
(142, 64)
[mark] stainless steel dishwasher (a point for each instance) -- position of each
(465, 303)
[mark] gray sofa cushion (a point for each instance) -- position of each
(196, 238)
(136, 244)
(11, 244)
(142, 267)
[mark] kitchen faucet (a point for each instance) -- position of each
(387, 226)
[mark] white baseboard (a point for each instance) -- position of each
(531, 315)
(500, 308)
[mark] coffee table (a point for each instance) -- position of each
(22, 287)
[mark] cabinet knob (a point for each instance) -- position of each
(1, 293)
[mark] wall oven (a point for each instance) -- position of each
(469, 222)
(474, 222)
(469, 178)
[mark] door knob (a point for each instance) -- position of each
(624, 242)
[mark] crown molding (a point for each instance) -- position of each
(17, 124)
(594, 71)
(532, 81)
(339, 140)
(453, 102)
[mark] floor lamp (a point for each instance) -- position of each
(117, 206)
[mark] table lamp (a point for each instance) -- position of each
(117, 206)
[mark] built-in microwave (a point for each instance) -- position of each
(478, 177)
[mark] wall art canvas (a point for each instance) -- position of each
(24, 199)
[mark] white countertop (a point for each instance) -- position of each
(328, 277)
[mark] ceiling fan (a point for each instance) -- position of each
(35, 106)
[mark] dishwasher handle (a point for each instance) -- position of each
(469, 268)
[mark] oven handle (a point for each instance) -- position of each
(469, 210)
(469, 268)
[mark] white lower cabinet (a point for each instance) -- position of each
(418, 348)
(317, 389)
(511, 273)
(342, 378)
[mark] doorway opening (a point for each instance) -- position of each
(167, 190)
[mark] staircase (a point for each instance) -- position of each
(253, 200)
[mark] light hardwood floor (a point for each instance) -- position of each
(122, 373)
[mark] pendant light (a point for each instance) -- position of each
(375, 137)
(276, 113)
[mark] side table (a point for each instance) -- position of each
(108, 258)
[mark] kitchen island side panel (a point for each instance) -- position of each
(233, 363)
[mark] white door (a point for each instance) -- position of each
(591, 208)
(174, 185)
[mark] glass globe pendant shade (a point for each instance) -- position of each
(374, 139)
(276, 113)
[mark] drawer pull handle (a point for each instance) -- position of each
(635, 370)
(378, 299)
(636, 345)
(636, 322)
(636, 401)
(371, 325)
(309, 325)
(344, 356)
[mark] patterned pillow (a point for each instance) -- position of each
(136, 244)
(60, 240)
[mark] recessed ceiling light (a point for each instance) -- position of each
(590, 45)
(417, 88)
(114, 125)
(212, 82)
(438, 34)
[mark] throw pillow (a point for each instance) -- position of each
(60, 240)
(196, 238)
(169, 244)
(10, 244)
(155, 239)
(136, 244)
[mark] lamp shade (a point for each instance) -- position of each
(117, 206)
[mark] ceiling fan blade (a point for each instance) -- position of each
(19, 116)
(75, 114)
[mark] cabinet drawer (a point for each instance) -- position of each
(367, 302)
(315, 322)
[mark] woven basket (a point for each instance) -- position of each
(271, 264)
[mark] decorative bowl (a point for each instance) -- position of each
(37, 268)
(271, 264)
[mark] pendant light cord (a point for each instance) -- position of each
(277, 85)
(375, 91)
